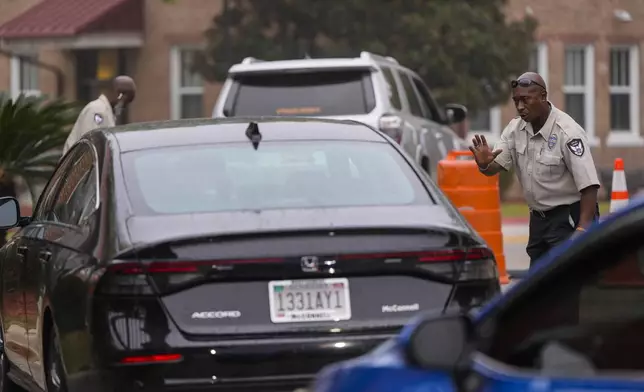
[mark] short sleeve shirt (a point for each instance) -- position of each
(553, 165)
(96, 114)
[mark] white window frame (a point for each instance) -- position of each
(542, 60)
(492, 134)
(176, 90)
(16, 77)
(588, 90)
(633, 137)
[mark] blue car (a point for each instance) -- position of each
(576, 323)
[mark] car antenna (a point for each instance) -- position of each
(253, 134)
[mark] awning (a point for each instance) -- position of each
(77, 24)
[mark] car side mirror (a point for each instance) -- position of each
(456, 113)
(443, 343)
(9, 213)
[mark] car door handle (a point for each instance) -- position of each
(22, 251)
(44, 255)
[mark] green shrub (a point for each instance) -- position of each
(33, 131)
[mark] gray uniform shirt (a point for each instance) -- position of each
(554, 165)
(95, 114)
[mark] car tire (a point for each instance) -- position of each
(54, 371)
(6, 385)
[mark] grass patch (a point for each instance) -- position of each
(520, 210)
(9, 234)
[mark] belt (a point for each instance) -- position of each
(550, 212)
(539, 213)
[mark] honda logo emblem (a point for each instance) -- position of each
(309, 264)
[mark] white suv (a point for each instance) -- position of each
(372, 89)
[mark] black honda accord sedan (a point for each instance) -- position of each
(239, 255)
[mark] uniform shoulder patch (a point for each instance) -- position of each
(576, 146)
(98, 118)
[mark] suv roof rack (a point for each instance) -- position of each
(377, 57)
(251, 60)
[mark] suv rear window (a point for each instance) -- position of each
(280, 174)
(319, 93)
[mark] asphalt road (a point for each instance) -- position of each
(515, 238)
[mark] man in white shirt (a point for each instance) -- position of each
(103, 112)
(553, 163)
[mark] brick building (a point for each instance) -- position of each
(588, 51)
(86, 40)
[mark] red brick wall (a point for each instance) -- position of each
(8, 10)
(587, 22)
(180, 23)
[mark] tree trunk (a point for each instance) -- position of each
(7, 188)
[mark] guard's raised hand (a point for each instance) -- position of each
(483, 154)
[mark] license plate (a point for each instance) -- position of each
(298, 301)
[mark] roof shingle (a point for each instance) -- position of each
(67, 18)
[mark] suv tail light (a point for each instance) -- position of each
(392, 126)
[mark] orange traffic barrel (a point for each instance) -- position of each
(478, 199)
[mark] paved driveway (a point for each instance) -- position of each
(515, 238)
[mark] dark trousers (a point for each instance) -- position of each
(550, 228)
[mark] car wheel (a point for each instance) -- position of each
(54, 372)
(6, 385)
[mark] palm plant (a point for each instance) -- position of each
(32, 133)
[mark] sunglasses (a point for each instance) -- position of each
(525, 83)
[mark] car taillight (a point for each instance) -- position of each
(142, 278)
(392, 126)
(472, 264)
(124, 279)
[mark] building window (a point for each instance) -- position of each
(187, 86)
(533, 63)
(25, 77)
(624, 94)
(579, 87)
(480, 121)
(488, 122)
(538, 61)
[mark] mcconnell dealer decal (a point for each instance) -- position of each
(400, 308)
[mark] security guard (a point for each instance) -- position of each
(101, 111)
(553, 163)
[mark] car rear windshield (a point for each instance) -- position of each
(291, 174)
(319, 93)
